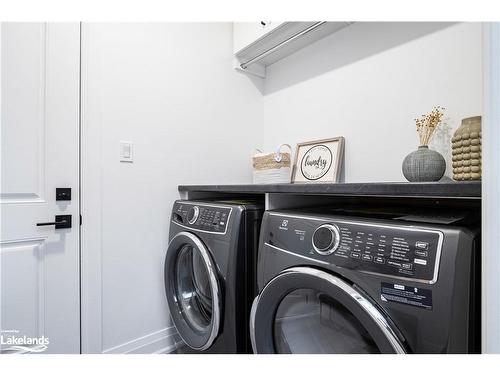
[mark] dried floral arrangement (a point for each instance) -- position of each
(427, 124)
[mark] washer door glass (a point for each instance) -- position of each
(310, 321)
(193, 289)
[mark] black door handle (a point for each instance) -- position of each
(62, 222)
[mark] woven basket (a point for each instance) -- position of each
(272, 168)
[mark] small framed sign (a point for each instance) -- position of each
(319, 161)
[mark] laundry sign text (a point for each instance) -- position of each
(319, 161)
(316, 162)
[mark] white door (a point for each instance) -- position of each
(39, 265)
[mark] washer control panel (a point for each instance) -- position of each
(203, 217)
(375, 247)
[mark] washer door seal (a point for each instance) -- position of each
(192, 290)
(266, 304)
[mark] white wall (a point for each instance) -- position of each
(170, 89)
(367, 83)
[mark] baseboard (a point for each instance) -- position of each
(177, 342)
(163, 341)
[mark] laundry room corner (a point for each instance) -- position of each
(336, 83)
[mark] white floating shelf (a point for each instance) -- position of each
(279, 42)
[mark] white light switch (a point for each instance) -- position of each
(126, 152)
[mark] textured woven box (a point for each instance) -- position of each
(272, 168)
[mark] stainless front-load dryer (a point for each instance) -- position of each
(333, 282)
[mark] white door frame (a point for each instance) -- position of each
(91, 203)
(491, 189)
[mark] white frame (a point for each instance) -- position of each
(490, 190)
(338, 162)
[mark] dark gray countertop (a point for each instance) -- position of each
(470, 190)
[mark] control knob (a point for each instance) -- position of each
(193, 214)
(326, 239)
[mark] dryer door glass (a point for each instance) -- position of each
(307, 310)
(310, 321)
(193, 289)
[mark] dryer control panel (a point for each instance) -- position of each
(373, 247)
(201, 216)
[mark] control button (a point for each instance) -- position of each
(356, 255)
(394, 264)
(422, 245)
(379, 260)
(407, 266)
(193, 214)
(421, 253)
(367, 257)
(326, 239)
(423, 262)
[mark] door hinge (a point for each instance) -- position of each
(80, 219)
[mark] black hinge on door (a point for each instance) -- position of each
(80, 219)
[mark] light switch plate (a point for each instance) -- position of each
(126, 152)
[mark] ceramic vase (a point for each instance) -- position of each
(424, 165)
(466, 150)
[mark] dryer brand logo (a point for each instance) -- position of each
(284, 225)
